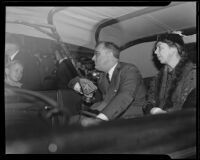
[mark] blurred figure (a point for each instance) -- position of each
(48, 72)
(13, 74)
(174, 82)
(30, 77)
(65, 71)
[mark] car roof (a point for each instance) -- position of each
(84, 26)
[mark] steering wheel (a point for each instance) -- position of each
(52, 108)
(24, 93)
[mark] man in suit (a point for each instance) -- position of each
(65, 71)
(30, 79)
(121, 86)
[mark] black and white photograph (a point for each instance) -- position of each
(101, 79)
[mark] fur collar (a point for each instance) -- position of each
(178, 73)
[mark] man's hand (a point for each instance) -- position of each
(77, 88)
(156, 110)
(85, 122)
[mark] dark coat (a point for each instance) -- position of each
(190, 102)
(186, 84)
(65, 72)
(30, 78)
(125, 95)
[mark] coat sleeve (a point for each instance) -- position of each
(188, 85)
(185, 86)
(129, 82)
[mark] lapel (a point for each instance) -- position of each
(116, 77)
(115, 81)
(110, 90)
(163, 84)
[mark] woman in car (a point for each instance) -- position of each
(171, 86)
(13, 74)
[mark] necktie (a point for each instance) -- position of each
(107, 77)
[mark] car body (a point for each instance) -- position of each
(76, 30)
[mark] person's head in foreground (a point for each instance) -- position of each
(13, 73)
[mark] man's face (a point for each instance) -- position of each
(164, 52)
(11, 48)
(15, 72)
(101, 58)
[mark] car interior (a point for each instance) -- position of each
(74, 31)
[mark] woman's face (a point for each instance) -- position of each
(15, 72)
(164, 52)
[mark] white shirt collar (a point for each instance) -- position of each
(13, 56)
(62, 59)
(110, 72)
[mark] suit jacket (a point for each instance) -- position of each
(30, 78)
(65, 72)
(125, 95)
